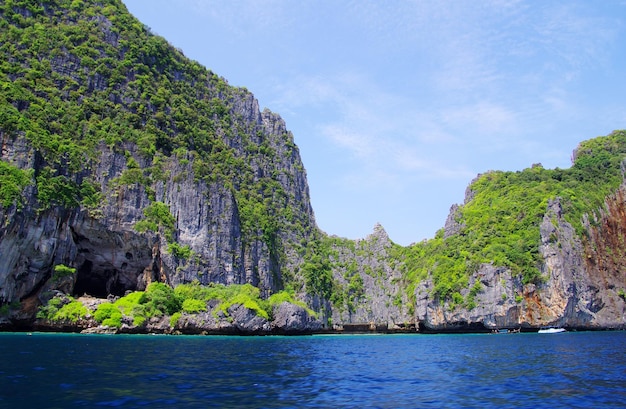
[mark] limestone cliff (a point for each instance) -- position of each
(526, 249)
(141, 165)
(368, 283)
(582, 284)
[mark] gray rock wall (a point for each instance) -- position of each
(111, 256)
(575, 293)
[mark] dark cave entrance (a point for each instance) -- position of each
(110, 263)
(100, 281)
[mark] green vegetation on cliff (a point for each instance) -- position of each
(57, 311)
(77, 76)
(13, 181)
(499, 224)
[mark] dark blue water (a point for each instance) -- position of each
(570, 370)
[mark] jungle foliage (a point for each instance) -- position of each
(160, 300)
(65, 309)
(500, 223)
(77, 76)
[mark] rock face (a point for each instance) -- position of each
(369, 282)
(239, 320)
(604, 260)
(111, 257)
(235, 198)
(580, 288)
(293, 319)
(495, 304)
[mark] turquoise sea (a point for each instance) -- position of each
(568, 370)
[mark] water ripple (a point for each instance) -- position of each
(419, 371)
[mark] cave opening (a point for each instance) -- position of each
(100, 281)
(109, 263)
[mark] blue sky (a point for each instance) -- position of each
(397, 105)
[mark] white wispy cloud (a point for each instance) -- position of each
(472, 59)
(391, 139)
(242, 19)
(482, 118)
(358, 143)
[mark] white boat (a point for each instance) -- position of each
(551, 330)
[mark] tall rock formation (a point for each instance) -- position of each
(137, 164)
(581, 277)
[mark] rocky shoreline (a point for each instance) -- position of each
(159, 326)
(223, 332)
(286, 319)
(283, 318)
(290, 321)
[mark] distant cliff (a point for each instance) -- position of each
(125, 164)
(526, 249)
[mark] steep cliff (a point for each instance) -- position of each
(128, 163)
(367, 283)
(531, 248)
